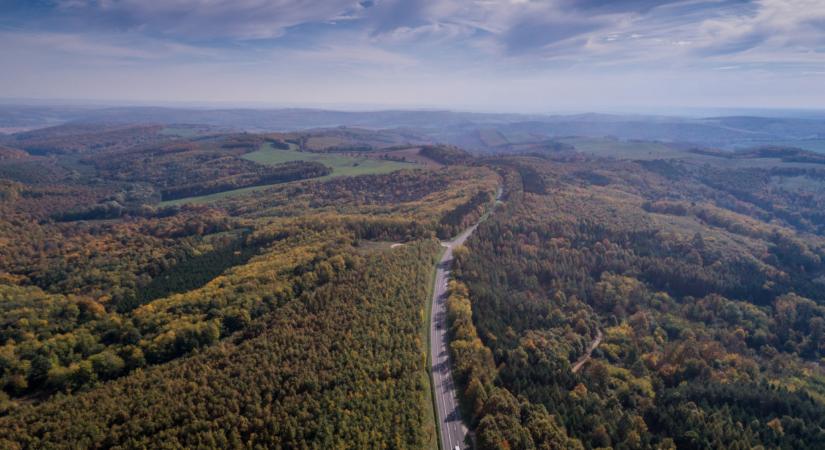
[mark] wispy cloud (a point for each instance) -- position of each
(101, 47)
(797, 26)
(482, 42)
(203, 19)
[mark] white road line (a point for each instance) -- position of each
(444, 387)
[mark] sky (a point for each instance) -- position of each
(482, 55)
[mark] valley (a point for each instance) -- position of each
(412, 225)
(601, 292)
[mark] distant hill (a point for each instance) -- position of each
(8, 153)
(482, 132)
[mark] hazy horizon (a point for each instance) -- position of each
(674, 111)
(486, 56)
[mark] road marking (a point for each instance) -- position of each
(440, 358)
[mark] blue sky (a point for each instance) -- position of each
(491, 55)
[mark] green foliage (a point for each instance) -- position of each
(465, 214)
(445, 154)
(266, 320)
(337, 367)
(701, 307)
(501, 421)
(269, 319)
(281, 173)
(190, 273)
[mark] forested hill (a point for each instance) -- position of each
(489, 132)
(283, 316)
(191, 287)
(708, 293)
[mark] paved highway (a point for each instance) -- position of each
(453, 431)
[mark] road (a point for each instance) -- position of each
(453, 430)
(586, 356)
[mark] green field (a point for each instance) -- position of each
(341, 165)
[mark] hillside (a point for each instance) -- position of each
(699, 290)
(130, 306)
(483, 132)
(193, 287)
(7, 153)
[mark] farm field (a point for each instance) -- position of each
(341, 165)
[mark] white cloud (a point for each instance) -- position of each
(243, 19)
(438, 51)
(100, 46)
(791, 25)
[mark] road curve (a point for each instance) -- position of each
(586, 357)
(448, 415)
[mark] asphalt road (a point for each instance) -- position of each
(453, 431)
(452, 428)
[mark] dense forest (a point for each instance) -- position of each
(703, 298)
(606, 303)
(282, 317)
(338, 364)
(199, 167)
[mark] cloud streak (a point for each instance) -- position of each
(204, 19)
(408, 43)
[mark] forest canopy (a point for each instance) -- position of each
(607, 302)
(704, 307)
